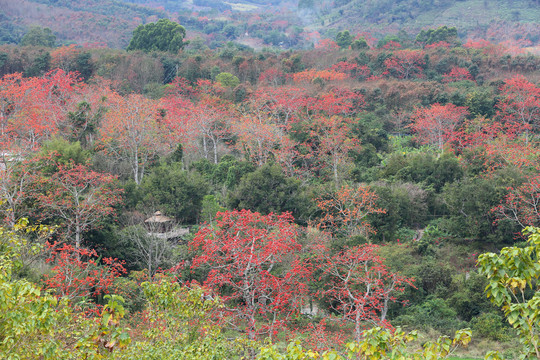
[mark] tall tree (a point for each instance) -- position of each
(38, 36)
(131, 131)
(346, 209)
(522, 203)
(332, 142)
(32, 109)
(246, 254)
(513, 286)
(360, 285)
(520, 103)
(406, 64)
(436, 125)
(163, 35)
(79, 197)
(16, 178)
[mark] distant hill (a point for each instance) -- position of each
(477, 17)
(104, 21)
(277, 23)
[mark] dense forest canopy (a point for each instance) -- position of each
(193, 197)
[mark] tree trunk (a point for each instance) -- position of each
(214, 141)
(357, 327)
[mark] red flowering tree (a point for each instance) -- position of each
(496, 145)
(257, 137)
(272, 77)
(332, 142)
(391, 45)
(78, 196)
(311, 74)
(457, 74)
(520, 103)
(200, 125)
(254, 266)
(360, 285)
(522, 204)
(77, 272)
(345, 210)
(338, 101)
(282, 104)
(131, 131)
(436, 125)
(16, 179)
(406, 64)
(31, 109)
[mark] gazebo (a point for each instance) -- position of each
(159, 223)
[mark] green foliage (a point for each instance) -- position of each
(84, 65)
(490, 325)
(180, 325)
(267, 190)
(359, 44)
(376, 344)
(387, 39)
(433, 313)
(227, 173)
(210, 207)
(423, 168)
(63, 152)
(433, 275)
(432, 36)
(465, 295)
(38, 36)
(228, 80)
(481, 102)
(344, 39)
(513, 286)
(406, 206)
(9, 32)
(34, 324)
(82, 125)
(173, 191)
(469, 203)
(164, 35)
(40, 65)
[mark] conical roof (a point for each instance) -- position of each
(158, 217)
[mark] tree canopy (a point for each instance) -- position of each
(163, 35)
(38, 36)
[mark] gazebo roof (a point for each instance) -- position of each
(158, 217)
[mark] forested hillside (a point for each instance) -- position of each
(338, 202)
(281, 24)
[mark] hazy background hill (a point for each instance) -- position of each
(271, 23)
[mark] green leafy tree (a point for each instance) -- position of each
(227, 80)
(268, 190)
(344, 39)
(179, 325)
(443, 33)
(388, 38)
(38, 36)
(163, 35)
(359, 44)
(175, 192)
(40, 65)
(514, 287)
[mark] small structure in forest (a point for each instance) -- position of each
(159, 223)
(162, 226)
